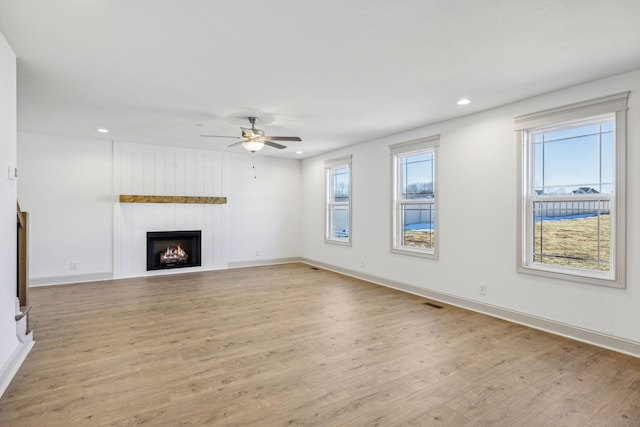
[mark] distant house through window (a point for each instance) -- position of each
(338, 201)
(414, 197)
(572, 192)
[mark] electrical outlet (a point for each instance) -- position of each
(361, 263)
(73, 265)
(483, 288)
(257, 252)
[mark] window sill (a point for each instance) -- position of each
(338, 242)
(416, 253)
(593, 279)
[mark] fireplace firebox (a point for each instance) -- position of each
(173, 249)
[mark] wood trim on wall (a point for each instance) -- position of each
(130, 198)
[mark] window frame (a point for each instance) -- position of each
(615, 105)
(330, 203)
(429, 144)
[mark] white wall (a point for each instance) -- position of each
(8, 340)
(264, 208)
(71, 185)
(477, 196)
(65, 185)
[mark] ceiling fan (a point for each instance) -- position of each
(253, 139)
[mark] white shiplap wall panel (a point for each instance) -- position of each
(189, 170)
(169, 173)
(158, 168)
(125, 168)
(208, 174)
(198, 170)
(166, 171)
(180, 168)
(125, 255)
(149, 171)
(137, 168)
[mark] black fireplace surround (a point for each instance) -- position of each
(173, 249)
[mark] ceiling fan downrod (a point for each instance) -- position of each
(252, 120)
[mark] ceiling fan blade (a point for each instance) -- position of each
(274, 145)
(220, 136)
(236, 143)
(281, 138)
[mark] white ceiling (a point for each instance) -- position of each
(334, 72)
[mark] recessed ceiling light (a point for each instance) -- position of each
(102, 130)
(298, 152)
(463, 101)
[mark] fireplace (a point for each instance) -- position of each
(173, 249)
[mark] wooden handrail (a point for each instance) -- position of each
(21, 219)
(24, 311)
(22, 290)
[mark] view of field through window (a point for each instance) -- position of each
(417, 209)
(572, 190)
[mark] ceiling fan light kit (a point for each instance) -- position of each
(253, 146)
(253, 139)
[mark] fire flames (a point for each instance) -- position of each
(173, 256)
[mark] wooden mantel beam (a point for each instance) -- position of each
(130, 198)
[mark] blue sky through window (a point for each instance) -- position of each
(417, 176)
(567, 159)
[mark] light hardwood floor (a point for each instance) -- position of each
(291, 345)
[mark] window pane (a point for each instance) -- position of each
(417, 176)
(572, 132)
(574, 160)
(570, 164)
(340, 184)
(572, 234)
(538, 168)
(418, 230)
(607, 163)
(338, 203)
(340, 215)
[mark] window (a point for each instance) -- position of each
(572, 216)
(338, 201)
(414, 197)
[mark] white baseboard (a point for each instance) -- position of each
(10, 369)
(257, 263)
(81, 278)
(599, 339)
(65, 280)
